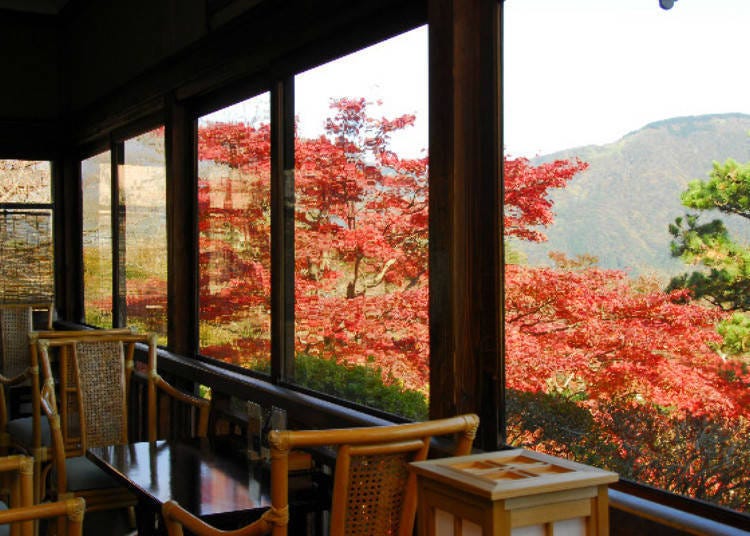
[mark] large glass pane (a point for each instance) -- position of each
(143, 218)
(234, 214)
(96, 177)
(26, 248)
(361, 236)
(627, 239)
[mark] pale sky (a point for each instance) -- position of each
(393, 72)
(580, 72)
(576, 72)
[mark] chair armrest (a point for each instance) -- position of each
(4, 380)
(175, 517)
(201, 404)
(70, 510)
(25, 375)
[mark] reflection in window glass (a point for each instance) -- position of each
(25, 181)
(26, 249)
(234, 215)
(96, 177)
(361, 282)
(143, 218)
(626, 315)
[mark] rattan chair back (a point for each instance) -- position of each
(96, 383)
(31, 443)
(15, 361)
(374, 492)
(372, 485)
(19, 366)
(94, 375)
(16, 321)
(95, 371)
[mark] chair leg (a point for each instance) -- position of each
(42, 481)
(131, 517)
(4, 444)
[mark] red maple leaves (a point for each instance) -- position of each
(361, 273)
(593, 334)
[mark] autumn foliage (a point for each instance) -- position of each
(360, 244)
(620, 365)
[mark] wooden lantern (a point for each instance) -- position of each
(516, 492)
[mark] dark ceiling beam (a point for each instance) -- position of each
(270, 40)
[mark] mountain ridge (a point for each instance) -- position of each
(619, 209)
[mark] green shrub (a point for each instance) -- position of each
(360, 384)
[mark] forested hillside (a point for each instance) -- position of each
(619, 209)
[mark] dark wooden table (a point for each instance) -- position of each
(212, 478)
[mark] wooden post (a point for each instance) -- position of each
(182, 230)
(465, 211)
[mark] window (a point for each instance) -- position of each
(96, 180)
(361, 281)
(26, 245)
(625, 331)
(124, 255)
(234, 215)
(360, 230)
(143, 226)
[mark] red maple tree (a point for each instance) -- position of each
(360, 242)
(361, 246)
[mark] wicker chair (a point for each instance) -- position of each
(93, 398)
(31, 435)
(374, 493)
(19, 367)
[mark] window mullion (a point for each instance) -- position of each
(282, 230)
(118, 238)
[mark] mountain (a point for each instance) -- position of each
(619, 209)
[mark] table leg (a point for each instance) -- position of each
(148, 519)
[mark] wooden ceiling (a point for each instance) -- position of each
(45, 7)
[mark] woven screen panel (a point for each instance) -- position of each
(101, 376)
(15, 324)
(376, 492)
(26, 255)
